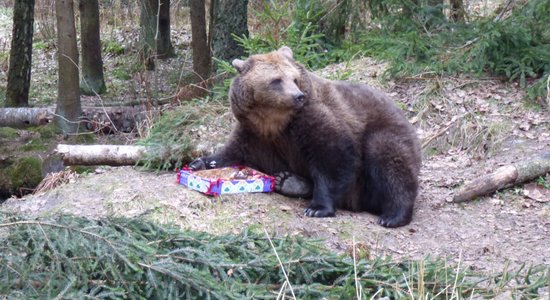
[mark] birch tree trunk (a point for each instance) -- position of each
(90, 155)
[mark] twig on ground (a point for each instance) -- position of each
(453, 295)
(280, 264)
(358, 287)
(443, 130)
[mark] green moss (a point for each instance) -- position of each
(41, 45)
(113, 47)
(121, 74)
(49, 131)
(36, 144)
(26, 173)
(83, 169)
(8, 133)
(85, 138)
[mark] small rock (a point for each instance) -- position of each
(285, 208)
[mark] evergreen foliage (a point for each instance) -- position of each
(72, 258)
(414, 36)
(169, 140)
(299, 31)
(517, 47)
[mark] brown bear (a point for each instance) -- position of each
(345, 144)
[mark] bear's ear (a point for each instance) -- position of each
(287, 52)
(238, 64)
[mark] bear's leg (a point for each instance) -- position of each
(332, 179)
(322, 204)
(392, 183)
(231, 154)
(292, 185)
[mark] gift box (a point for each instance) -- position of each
(229, 180)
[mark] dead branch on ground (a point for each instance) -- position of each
(505, 176)
(89, 155)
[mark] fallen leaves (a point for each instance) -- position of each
(536, 192)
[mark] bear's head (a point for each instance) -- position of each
(268, 91)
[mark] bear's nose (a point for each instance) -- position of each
(299, 98)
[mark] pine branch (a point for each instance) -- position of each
(71, 257)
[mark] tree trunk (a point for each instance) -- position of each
(504, 177)
(92, 64)
(164, 46)
(202, 59)
(91, 155)
(19, 75)
(457, 11)
(68, 108)
(230, 17)
(148, 25)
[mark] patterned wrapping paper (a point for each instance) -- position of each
(256, 183)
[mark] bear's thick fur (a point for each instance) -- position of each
(346, 143)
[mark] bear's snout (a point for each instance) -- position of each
(299, 98)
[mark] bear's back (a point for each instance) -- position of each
(358, 104)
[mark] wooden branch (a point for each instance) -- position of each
(113, 155)
(505, 176)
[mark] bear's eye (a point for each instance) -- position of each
(276, 81)
(296, 81)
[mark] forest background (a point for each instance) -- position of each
(473, 76)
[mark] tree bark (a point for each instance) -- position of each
(19, 74)
(91, 155)
(92, 64)
(229, 17)
(505, 177)
(457, 11)
(148, 25)
(68, 108)
(202, 58)
(164, 45)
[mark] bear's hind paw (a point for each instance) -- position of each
(291, 185)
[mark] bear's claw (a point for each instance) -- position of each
(318, 211)
(197, 164)
(392, 221)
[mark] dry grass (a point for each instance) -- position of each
(53, 180)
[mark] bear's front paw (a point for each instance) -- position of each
(318, 211)
(197, 164)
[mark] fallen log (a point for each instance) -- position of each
(88, 155)
(504, 177)
(20, 117)
(97, 119)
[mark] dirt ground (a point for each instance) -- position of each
(469, 127)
